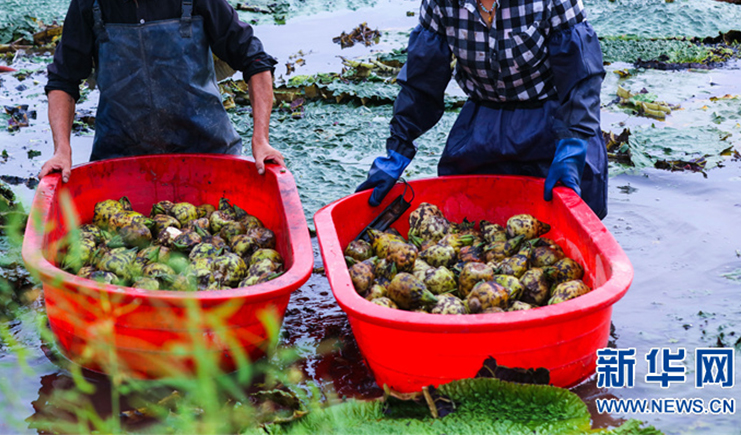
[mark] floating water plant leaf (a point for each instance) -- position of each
(428, 402)
(644, 103)
(367, 70)
(698, 146)
(642, 98)
(84, 121)
(643, 51)
(724, 97)
(255, 11)
(633, 427)
(483, 405)
(731, 37)
(667, 53)
(618, 149)
(361, 34)
(717, 119)
(694, 165)
(17, 26)
(369, 91)
(395, 58)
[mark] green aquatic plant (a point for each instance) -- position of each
(650, 145)
(395, 58)
(482, 405)
(669, 50)
(17, 26)
(661, 19)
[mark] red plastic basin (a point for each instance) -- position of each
(150, 334)
(408, 350)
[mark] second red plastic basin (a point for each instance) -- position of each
(408, 350)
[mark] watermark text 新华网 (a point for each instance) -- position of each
(714, 368)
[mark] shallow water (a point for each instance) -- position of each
(680, 230)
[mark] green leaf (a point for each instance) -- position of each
(644, 98)
(649, 146)
(483, 405)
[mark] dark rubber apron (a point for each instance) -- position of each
(158, 91)
(487, 140)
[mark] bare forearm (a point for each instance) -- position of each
(261, 99)
(61, 117)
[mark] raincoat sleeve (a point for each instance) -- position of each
(576, 61)
(423, 79)
(73, 57)
(233, 40)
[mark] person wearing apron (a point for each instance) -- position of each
(158, 90)
(532, 70)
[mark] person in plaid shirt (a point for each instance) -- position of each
(532, 71)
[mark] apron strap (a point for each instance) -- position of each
(186, 19)
(98, 26)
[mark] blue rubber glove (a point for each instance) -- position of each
(567, 166)
(383, 174)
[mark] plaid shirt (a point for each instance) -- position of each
(508, 62)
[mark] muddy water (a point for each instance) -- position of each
(680, 231)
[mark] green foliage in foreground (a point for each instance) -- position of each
(482, 406)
